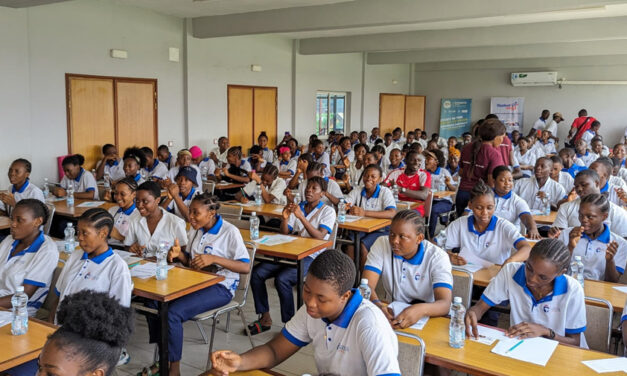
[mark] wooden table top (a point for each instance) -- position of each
(593, 289)
(5, 223)
(62, 209)
(270, 210)
(366, 224)
(223, 185)
(21, 349)
(294, 250)
(180, 282)
(545, 219)
(443, 194)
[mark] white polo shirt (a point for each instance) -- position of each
(222, 240)
(32, 266)
(276, 189)
(332, 187)
(587, 158)
(115, 171)
(528, 189)
(592, 252)
(389, 168)
(566, 181)
(494, 244)
(610, 190)
(221, 156)
(588, 135)
(268, 155)
(407, 280)
(529, 158)
(84, 182)
(539, 125)
(548, 148)
(438, 177)
(355, 173)
(617, 182)
(175, 170)
(325, 160)
(107, 272)
(510, 207)
(122, 218)
(382, 199)
(287, 166)
(158, 170)
(321, 217)
(170, 227)
(28, 190)
(209, 164)
(187, 200)
(359, 342)
(339, 155)
(568, 216)
(563, 310)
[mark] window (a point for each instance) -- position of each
(330, 112)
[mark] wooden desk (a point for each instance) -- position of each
(62, 209)
(180, 282)
(5, 223)
(269, 210)
(545, 219)
(21, 349)
(364, 225)
(443, 194)
(221, 186)
(295, 251)
(475, 358)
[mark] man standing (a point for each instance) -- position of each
(540, 124)
(579, 126)
(552, 127)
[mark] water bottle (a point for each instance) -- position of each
(440, 239)
(107, 182)
(297, 198)
(254, 226)
(441, 185)
(364, 289)
(275, 155)
(93, 172)
(204, 172)
(395, 192)
(46, 190)
(341, 211)
(19, 322)
(301, 178)
(258, 196)
(577, 269)
(69, 238)
(70, 195)
(162, 262)
(457, 327)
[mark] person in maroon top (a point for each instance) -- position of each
(580, 126)
(478, 159)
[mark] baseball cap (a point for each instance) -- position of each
(189, 173)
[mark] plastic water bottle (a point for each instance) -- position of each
(107, 181)
(258, 196)
(441, 186)
(341, 211)
(254, 226)
(297, 198)
(19, 322)
(275, 155)
(162, 262)
(440, 239)
(46, 189)
(204, 172)
(546, 206)
(395, 192)
(300, 179)
(457, 327)
(69, 238)
(364, 289)
(577, 269)
(70, 195)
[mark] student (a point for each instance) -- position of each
(583, 155)
(592, 132)
(382, 155)
(452, 164)
(181, 193)
(309, 218)
(569, 162)
(267, 153)
(412, 270)
(396, 162)
(540, 187)
(330, 195)
(125, 211)
(303, 162)
(27, 256)
(388, 144)
(165, 157)
(509, 205)
(413, 184)
(342, 156)
(580, 125)
(319, 155)
(110, 164)
(597, 147)
(487, 236)
(156, 224)
(397, 136)
(293, 145)
(603, 252)
(20, 188)
(439, 177)
(155, 169)
(478, 160)
(374, 136)
(354, 136)
(255, 161)
(603, 166)
(540, 124)
(183, 158)
(541, 280)
(218, 155)
(271, 188)
(363, 138)
(134, 162)
(94, 266)
(619, 152)
(214, 245)
(552, 127)
(334, 316)
(234, 171)
(559, 175)
(286, 164)
(196, 153)
(525, 157)
(82, 181)
(546, 144)
(356, 168)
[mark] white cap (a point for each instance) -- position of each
(19, 289)
(69, 224)
(364, 281)
(577, 258)
(457, 300)
(254, 213)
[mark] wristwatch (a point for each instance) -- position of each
(551, 334)
(402, 190)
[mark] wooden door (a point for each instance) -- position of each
(91, 120)
(265, 113)
(414, 112)
(391, 112)
(136, 114)
(240, 112)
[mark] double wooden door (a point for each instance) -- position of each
(251, 110)
(399, 110)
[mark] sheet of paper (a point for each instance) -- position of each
(607, 365)
(145, 271)
(90, 204)
(278, 210)
(470, 267)
(398, 307)
(275, 239)
(488, 335)
(473, 259)
(352, 218)
(621, 288)
(5, 318)
(532, 350)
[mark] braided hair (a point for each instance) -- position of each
(481, 189)
(412, 217)
(37, 208)
(136, 154)
(130, 182)
(210, 200)
(27, 165)
(597, 199)
(98, 218)
(553, 250)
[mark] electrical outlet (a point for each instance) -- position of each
(215, 141)
(170, 144)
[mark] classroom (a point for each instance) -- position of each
(263, 187)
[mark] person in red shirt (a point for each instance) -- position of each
(580, 126)
(478, 159)
(413, 183)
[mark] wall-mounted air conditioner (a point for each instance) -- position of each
(534, 79)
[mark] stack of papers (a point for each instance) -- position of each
(145, 271)
(488, 335)
(607, 365)
(621, 288)
(352, 218)
(275, 239)
(90, 204)
(5, 318)
(398, 307)
(128, 257)
(536, 350)
(473, 261)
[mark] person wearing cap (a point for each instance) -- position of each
(552, 127)
(183, 158)
(285, 163)
(196, 153)
(540, 124)
(206, 165)
(181, 193)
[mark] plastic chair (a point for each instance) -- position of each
(462, 285)
(427, 206)
(411, 354)
(209, 186)
(230, 212)
(599, 323)
(44, 311)
(48, 224)
(237, 304)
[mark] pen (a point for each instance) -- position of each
(515, 346)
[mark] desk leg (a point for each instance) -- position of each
(164, 366)
(357, 245)
(299, 283)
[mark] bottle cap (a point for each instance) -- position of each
(254, 214)
(457, 300)
(364, 281)
(577, 258)
(69, 224)
(19, 289)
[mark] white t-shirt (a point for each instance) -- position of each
(510, 207)
(222, 240)
(84, 182)
(32, 266)
(588, 135)
(157, 171)
(528, 190)
(382, 199)
(359, 342)
(564, 310)
(289, 166)
(407, 280)
(169, 228)
(28, 190)
(568, 216)
(321, 217)
(548, 148)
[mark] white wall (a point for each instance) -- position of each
(379, 79)
(605, 102)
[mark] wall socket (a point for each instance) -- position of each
(170, 144)
(215, 141)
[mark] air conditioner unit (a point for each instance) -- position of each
(534, 79)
